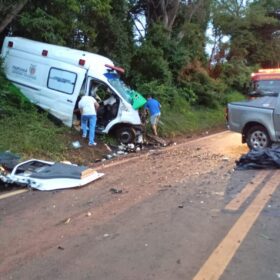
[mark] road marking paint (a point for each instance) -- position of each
(5, 195)
(216, 264)
(236, 202)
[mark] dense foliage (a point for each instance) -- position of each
(253, 31)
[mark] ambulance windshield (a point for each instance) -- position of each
(120, 86)
(267, 86)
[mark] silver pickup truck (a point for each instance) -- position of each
(258, 120)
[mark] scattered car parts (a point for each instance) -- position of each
(46, 175)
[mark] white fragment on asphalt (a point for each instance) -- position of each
(88, 214)
(106, 235)
(201, 201)
(219, 193)
(146, 245)
(76, 144)
(67, 221)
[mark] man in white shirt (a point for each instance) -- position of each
(88, 107)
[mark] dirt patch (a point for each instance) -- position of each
(86, 155)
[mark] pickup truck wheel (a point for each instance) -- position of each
(126, 135)
(257, 137)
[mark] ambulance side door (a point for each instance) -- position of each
(63, 87)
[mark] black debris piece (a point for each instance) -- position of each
(267, 158)
(115, 191)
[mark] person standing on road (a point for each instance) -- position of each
(88, 107)
(153, 107)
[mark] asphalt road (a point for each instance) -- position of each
(184, 213)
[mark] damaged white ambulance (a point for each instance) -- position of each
(54, 78)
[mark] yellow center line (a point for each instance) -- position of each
(216, 264)
(5, 195)
(235, 203)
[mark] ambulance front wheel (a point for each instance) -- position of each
(126, 135)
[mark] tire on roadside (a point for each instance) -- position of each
(257, 137)
(126, 135)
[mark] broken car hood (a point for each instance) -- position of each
(46, 175)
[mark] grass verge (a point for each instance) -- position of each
(24, 130)
(184, 119)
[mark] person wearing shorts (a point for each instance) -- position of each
(153, 107)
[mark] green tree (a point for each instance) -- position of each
(115, 36)
(266, 32)
(250, 29)
(93, 25)
(9, 9)
(149, 61)
(162, 12)
(176, 30)
(65, 22)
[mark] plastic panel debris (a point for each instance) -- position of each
(46, 175)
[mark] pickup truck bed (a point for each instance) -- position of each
(255, 120)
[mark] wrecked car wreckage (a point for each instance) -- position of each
(46, 175)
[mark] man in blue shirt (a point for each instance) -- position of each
(153, 106)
